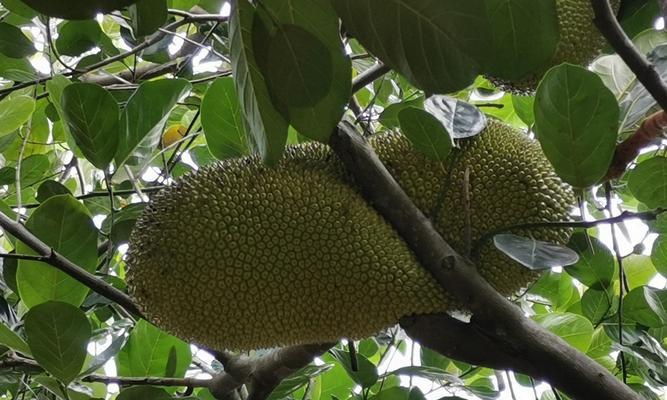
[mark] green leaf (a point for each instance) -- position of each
(595, 267)
(65, 225)
(426, 133)
(659, 254)
(10, 339)
(297, 380)
(100, 359)
(14, 112)
(639, 270)
(576, 123)
(50, 189)
(16, 69)
(147, 16)
(222, 120)
(647, 306)
(33, 168)
(366, 374)
(267, 127)
(13, 43)
(399, 393)
(144, 117)
(523, 106)
(7, 175)
(299, 52)
(147, 353)
(300, 71)
(534, 254)
(77, 37)
(91, 114)
(58, 335)
(574, 329)
(524, 37)
(648, 182)
(143, 393)
(597, 304)
(77, 9)
(389, 116)
(435, 45)
(19, 8)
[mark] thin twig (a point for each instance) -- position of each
(624, 216)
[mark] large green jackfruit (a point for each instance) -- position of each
(579, 43)
(241, 256)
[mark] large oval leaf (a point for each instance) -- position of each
(659, 254)
(524, 35)
(573, 328)
(144, 117)
(426, 133)
(91, 114)
(77, 9)
(648, 182)
(58, 334)
(436, 45)
(647, 306)
(267, 127)
(65, 225)
(13, 43)
(153, 352)
(595, 267)
(576, 123)
(14, 112)
(222, 120)
(301, 55)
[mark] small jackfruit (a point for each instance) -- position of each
(242, 256)
(579, 43)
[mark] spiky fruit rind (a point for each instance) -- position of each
(242, 256)
(510, 182)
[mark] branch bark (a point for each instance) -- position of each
(63, 264)
(541, 353)
(265, 373)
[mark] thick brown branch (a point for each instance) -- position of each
(646, 73)
(265, 373)
(63, 264)
(546, 355)
(460, 341)
(649, 133)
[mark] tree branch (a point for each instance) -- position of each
(265, 373)
(646, 73)
(63, 264)
(150, 381)
(368, 76)
(543, 353)
(650, 215)
(151, 40)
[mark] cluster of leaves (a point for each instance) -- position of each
(97, 112)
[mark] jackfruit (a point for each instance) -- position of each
(579, 43)
(242, 256)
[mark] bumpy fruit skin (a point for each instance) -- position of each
(510, 183)
(580, 42)
(242, 256)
